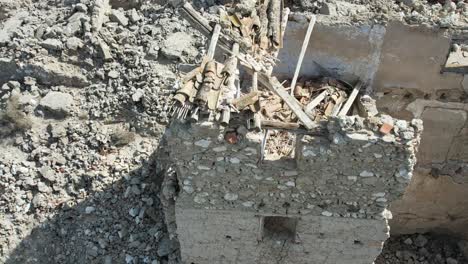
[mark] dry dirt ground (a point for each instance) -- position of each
(83, 104)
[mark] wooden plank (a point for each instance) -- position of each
(305, 44)
(214, 42)
(275, 86)
(197, 17)
(246, 100)
(255, 81)
(316, 101)
(198, 21)
(279, 124)
(344, 111)
(284, 24)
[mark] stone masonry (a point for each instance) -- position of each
(325, 204)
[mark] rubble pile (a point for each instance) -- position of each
(82, 86)
(424, 248)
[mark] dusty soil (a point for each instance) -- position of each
(83, 105)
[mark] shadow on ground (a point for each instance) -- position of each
(122, 223)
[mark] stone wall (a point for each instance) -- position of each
(403, 67)
(409, 85)
(334, 191)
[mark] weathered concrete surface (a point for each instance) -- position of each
(48, 70)
(344, 50)
(10, 26)
(435, 199)
(442, 126)
(225, 195)
(223, 237)
(407, 81)
(430, 203)
(411, 59)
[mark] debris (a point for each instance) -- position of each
(8, 67)
(48, 70)
(52, 44)
(74, 43)
(99, 11)
(11, 25)
(119, 17)
(176, 45)
(57, 103)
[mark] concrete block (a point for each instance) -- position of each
(412, 58)
(343, 50)
(440, 128)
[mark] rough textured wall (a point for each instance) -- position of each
(409, 85)
(347, 174)
(406, 78)
(343, 50)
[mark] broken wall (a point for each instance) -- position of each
(334, 191)
(409, 84)
(403, 66)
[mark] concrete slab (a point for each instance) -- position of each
(412, 57)
(344, 50)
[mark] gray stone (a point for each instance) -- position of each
(119, 17)
(52, 44)
(366, 174)
(231, 197)
(113, 74)
(177, 45)
(408, 241)
(80, 7)
(49, 71)
(328, 9)
(136, 97)
(134, 16)
(89, 209)
(75, 24)
(74, 43)
(204, 143)
(48, 173)
(451, 261)
(7, 69)
(105, 50)
(98, 15)
(165, 247)
(57, 103)
(12, 25)
(420, 241)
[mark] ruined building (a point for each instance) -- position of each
(277, 176)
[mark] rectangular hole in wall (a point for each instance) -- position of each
(279, 228)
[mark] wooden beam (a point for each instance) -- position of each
(214, 42)
(255, 81)
(275, 86)
(203, 22)
(279, 124)
(316, 101)
(305, 44)
(284, 24)
(344, 111)
(198, 21)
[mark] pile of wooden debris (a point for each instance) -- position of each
(212, 91)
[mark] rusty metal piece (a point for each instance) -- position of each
(208, 84)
